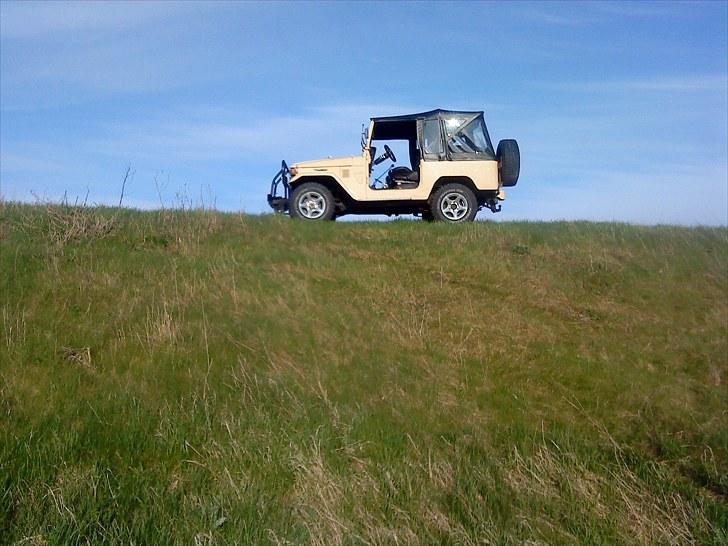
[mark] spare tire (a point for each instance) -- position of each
(509, 161)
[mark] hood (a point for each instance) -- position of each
(328, 162)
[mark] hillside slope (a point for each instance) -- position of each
(205, 378)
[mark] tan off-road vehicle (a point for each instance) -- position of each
(453, 172)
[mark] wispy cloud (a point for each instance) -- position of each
(688, 83)
(667, 193)
(644, 9)
(694, 83)
(546, 17)
(65, 53)
(41, 20)
(320, 131)
(12, 162)
(112, 65)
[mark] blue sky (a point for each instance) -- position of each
(620, 109)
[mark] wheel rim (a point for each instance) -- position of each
(454, 206)
(312, 205)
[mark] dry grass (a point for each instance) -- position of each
(81, 356)
(62, 223)
(616, 494)
(189, 377)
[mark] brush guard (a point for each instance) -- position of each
(279, 203)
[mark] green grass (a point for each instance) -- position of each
(197, 378)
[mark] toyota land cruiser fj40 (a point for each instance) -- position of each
(453, 172)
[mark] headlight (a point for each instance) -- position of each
(293, 170)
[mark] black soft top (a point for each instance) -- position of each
(459, 136)
(405, 127)
(432, 114)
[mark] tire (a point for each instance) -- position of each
(427, 216)
(454, 203)
(509, 161)
(312, 201)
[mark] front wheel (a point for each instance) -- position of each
(454, 203)
(312, 201)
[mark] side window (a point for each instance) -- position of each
(432, 144)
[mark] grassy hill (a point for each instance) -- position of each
(197, 378)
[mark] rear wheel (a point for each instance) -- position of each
(454, 203)
(312, 201)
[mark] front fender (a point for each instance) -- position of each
(328, 179)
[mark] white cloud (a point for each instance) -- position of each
(322, 131)
(184, 148)
(31, 164)
(66, 53)
(644, 9)
(553, 18)
(112, 65)
(648, 198)
(688, 83)
(34, 20)
(573, 167)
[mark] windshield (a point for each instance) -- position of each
(467, 138)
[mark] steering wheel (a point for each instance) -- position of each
(389, 153)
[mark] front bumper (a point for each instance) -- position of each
(278, 204)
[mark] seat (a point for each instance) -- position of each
(404, 174)
(402, 178)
